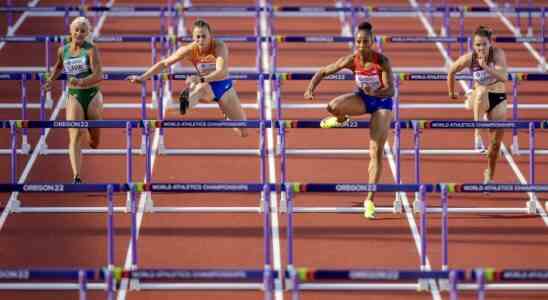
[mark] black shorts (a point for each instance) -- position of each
(495, 99)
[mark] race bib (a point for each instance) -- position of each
(206, 67)
(483, 77)
(371, 81)
(76, 66)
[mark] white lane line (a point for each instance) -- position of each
(122, 291)
(507, 155)
(516, 33)
(521, 178)
(509, 159)
(411, 220)
(30, 163)
(276, 245)
(20, 20)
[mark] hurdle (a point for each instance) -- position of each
(308, 279)
(479, 188)
(414, 76)
(244, 279)
(33, 279)
(531, 206)
(263, 278)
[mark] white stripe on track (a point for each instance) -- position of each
(521, 178)
(19, 21)
(516, 33)
(411, 220)
(30, 163)
(271, 145)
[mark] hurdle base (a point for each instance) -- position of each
(440, 152)
(201, 286)
(14, 286)
(245, 152)
(340, 210)
(481, 210)
(506, 286)
(19, 151)
(359, 286)
(17, 208)
(206, 209)
(75, 209)
(90, 151)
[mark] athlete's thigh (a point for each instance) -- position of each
(74, 111)
(95, 107)
(203, 91)
(498, 113)
(380, 124)
(230, 105)
(349, 104)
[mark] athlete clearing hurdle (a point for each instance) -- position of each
(374, 89)
(210, 59)
(488, 67)
(80, 60)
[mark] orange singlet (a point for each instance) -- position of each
(204, 62)
(368, 74)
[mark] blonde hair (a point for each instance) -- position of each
(80, 20)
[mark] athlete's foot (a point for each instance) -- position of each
(333, 122)
(183, 101)
(487, 177)
(368, 209)
(77, 179)
(478, 144)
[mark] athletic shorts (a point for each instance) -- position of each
(84, 97)
(219, 88)
(372, 103)
(495, 99)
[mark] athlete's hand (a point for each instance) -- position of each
(192, 80)
(47, 86)
(134, 79)
(309, 95)
(75, 82)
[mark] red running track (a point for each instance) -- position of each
(220, 240)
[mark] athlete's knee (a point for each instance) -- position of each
(494, 148)
(375, 152)
(333, 109)
(480, 92)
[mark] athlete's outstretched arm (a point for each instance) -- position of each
(56, 69)
(461, 63)
(341, 63)
(163, 64)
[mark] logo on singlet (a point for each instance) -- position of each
(483, 77)
(75, 66)
(371, 81)
(205, 67)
